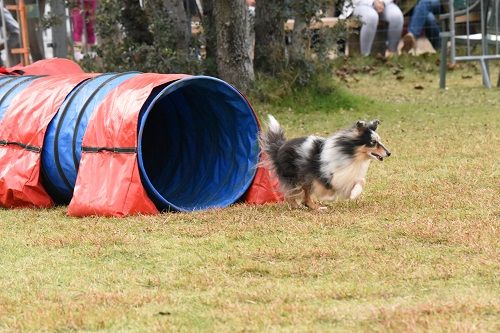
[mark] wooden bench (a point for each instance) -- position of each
(381, 34)
(324, 22)
(352, 41)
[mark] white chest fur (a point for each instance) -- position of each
(344, 179)
(347, 181)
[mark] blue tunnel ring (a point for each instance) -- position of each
(197, 145)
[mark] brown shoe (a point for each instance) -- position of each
(409, 43)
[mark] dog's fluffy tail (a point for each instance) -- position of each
(272, 139)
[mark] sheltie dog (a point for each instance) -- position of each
(323, 168)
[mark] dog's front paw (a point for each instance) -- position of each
(315, 206)
(356, 191)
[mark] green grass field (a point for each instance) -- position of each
(419, 251)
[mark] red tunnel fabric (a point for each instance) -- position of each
(109, 182)
(52, 66)
(264, 188)
(22, 131)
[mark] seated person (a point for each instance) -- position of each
(12, 38)
(369, 12)
(424, 18)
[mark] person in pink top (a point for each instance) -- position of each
(83, 17)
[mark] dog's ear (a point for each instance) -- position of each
(374, 124)
(360, 125)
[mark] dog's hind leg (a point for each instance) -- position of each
(292, 196)
(308, 201)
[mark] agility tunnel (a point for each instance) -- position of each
(117, 144)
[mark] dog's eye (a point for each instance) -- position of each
(373, 142)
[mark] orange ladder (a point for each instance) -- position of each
(20, 9)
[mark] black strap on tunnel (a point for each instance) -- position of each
(34, 149)
(6, 79)
(64, 112)
(82, 111)
(119, 150)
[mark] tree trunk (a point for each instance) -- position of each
(270, 35)
(181, 24)
(136, 22)
(210, 37)
(299, 34)
(233, 61)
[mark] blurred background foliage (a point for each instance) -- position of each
(173, 36)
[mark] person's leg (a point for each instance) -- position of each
(77, 20)
(418, 20)
(369, 20)
(432, 30)
(394, 17)
(420, 15)
(90, 7)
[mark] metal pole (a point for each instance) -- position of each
(486, 74)
(4, 32)
(442, 63)
(452, 33)
(59, 32)
(484, 43)
(467, 28)
(496, 13)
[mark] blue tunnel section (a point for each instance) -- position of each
(197, 145)
(62, 150)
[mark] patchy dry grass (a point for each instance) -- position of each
(417, 252)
